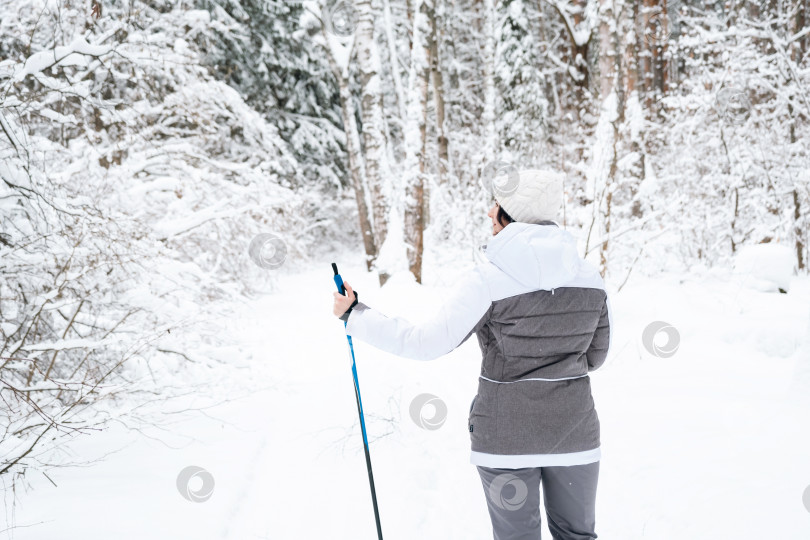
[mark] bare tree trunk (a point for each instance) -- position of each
(631, 71)
(490, 142)
(368, 61)
(801, 20)
(437, 36)
(574, 28)
(797, 214)
(630, 51)
(647, 46)
(355, 159)
(662, 62)
(609, 66)
(390, 37)
(579, 50)
(734, 219)
(637, 83)
(416, 136)
(396, 140)
(799, 231)
(607, 53)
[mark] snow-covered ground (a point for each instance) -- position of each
(709, 443)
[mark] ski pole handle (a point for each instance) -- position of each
(338, 280)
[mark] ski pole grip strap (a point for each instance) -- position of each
(345, 316)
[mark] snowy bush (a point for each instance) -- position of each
(133, 180)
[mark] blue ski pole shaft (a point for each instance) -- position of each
(342, 290)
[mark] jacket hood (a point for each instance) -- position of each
(537, 256)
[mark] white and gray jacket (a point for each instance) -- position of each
(542, 318)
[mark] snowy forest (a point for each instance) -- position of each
(165, 163)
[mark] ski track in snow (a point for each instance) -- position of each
(710, 443)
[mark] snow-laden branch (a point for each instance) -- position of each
(799, 35)
(340, 48)
(63, 54)
(79, 343)
(173, 227)
(580, 34)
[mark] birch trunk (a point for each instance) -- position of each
(489, 80)
(631, 70)
(437, 36)
(368, 63)
(647, 76)
(355, 157)
(416, 136)
(611, 112)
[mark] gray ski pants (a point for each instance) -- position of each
(569, 494)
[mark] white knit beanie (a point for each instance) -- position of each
(531, 196)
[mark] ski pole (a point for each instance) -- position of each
(341, 289)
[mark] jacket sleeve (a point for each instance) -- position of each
(460, 316)
(600, 345)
